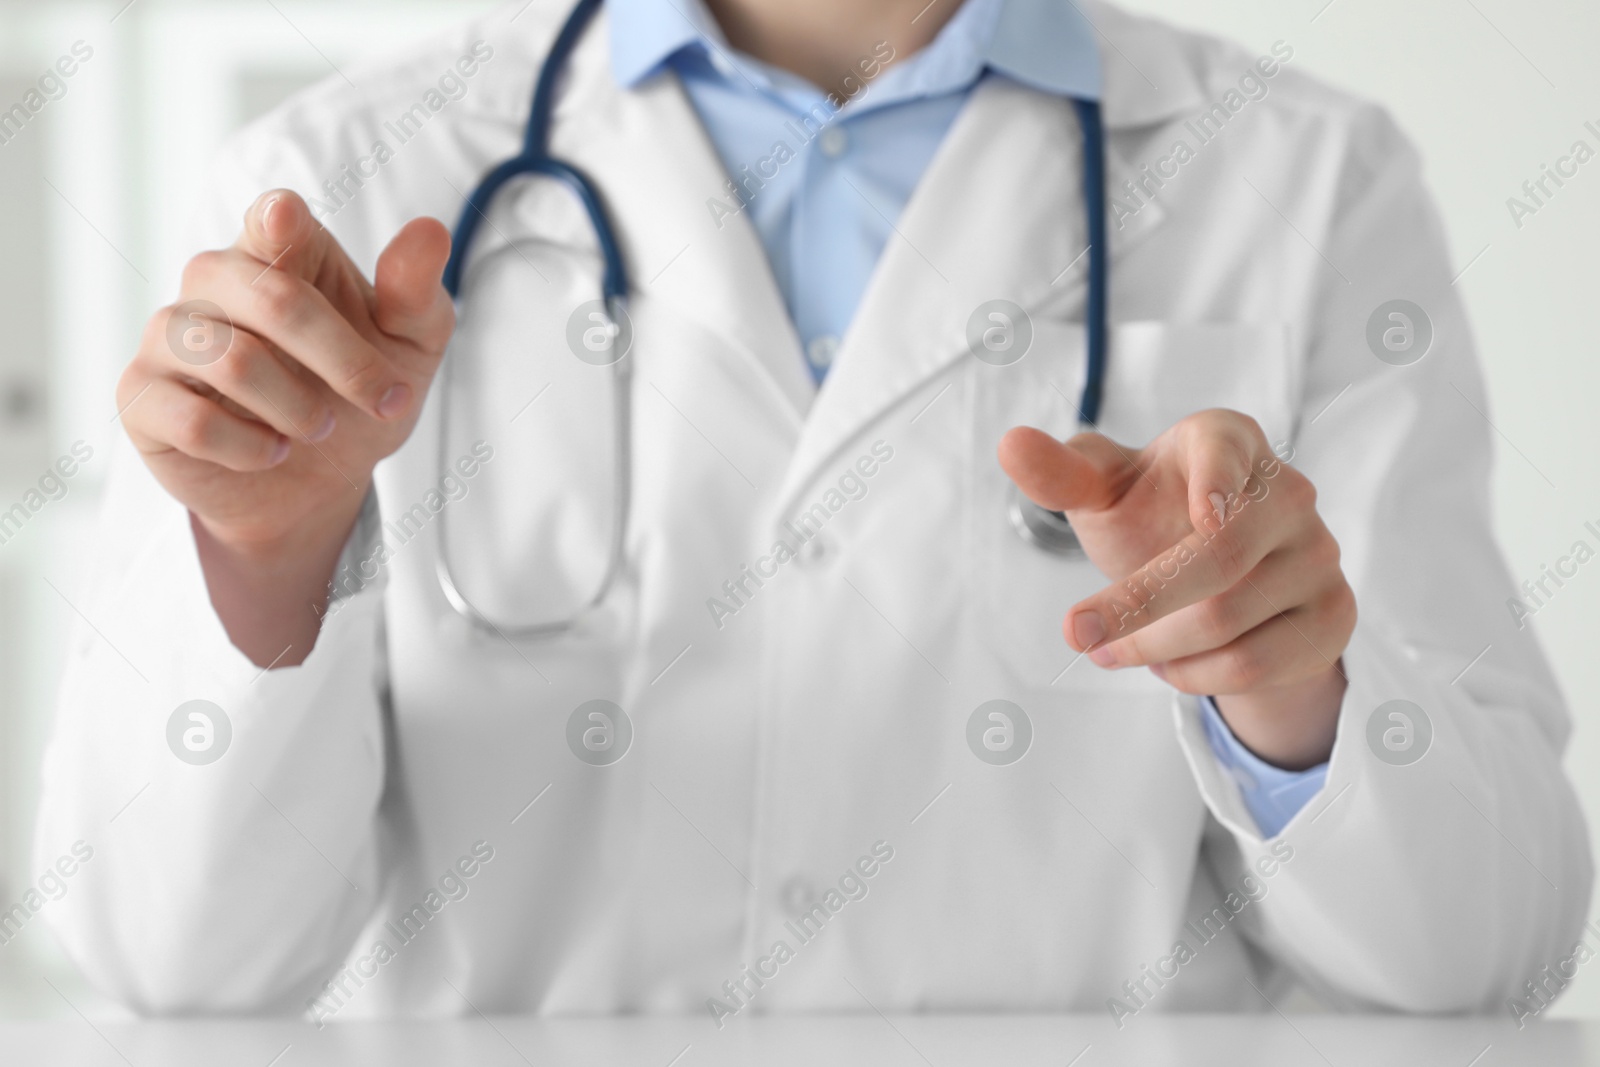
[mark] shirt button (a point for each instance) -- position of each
(822, 349)
(833, 141)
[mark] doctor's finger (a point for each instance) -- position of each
(1087, 471)
(168, 416)
(1284, 580)
(280, 231)
(298, 318)
(258, 380)
(1286, 648)
(1206, 562)
(411, 301)
(1218, 450)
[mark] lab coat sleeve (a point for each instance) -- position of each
(238, 884)
(1271, 794)
(1445, 883)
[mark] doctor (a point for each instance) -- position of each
(835, 736)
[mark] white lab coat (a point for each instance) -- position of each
(830, 712)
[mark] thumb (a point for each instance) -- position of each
(411, 301)
(1087, 472)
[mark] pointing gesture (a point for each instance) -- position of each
(1225, 580)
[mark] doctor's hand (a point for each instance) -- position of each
(265, 420)
(1225, 580)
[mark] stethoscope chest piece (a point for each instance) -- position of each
(1048, 531)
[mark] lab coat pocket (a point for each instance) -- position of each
(1157, 374)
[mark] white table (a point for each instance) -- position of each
(830, 1041)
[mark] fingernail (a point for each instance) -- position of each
(1088, 629)
(1159, 670)
(280, 452)
(1104, 657)
(266, 214)
(1220, 503)
(322, 432)
(396, 400)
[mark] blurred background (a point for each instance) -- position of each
(94, 189)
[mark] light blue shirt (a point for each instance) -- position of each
(828, 211)
(822, 180)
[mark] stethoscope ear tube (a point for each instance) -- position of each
(534, 159)
(614, 277)
(621, 373)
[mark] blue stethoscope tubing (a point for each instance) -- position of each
(1098, 297)
(535, 159)
(1049, 530)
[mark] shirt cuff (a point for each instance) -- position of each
(1272, 794)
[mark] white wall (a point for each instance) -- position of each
(1489, 89)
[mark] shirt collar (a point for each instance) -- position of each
(1046, 44)
(647, 33)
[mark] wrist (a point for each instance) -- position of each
(1289, 726)
(270, 590)
(274, 544)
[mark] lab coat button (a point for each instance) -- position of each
(814, 552)
(796, 895)
(833, 141)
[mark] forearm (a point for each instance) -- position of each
(271, 597)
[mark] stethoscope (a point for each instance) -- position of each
(1048, 530)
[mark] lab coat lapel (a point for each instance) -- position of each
(659, 174)
(998, 215)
